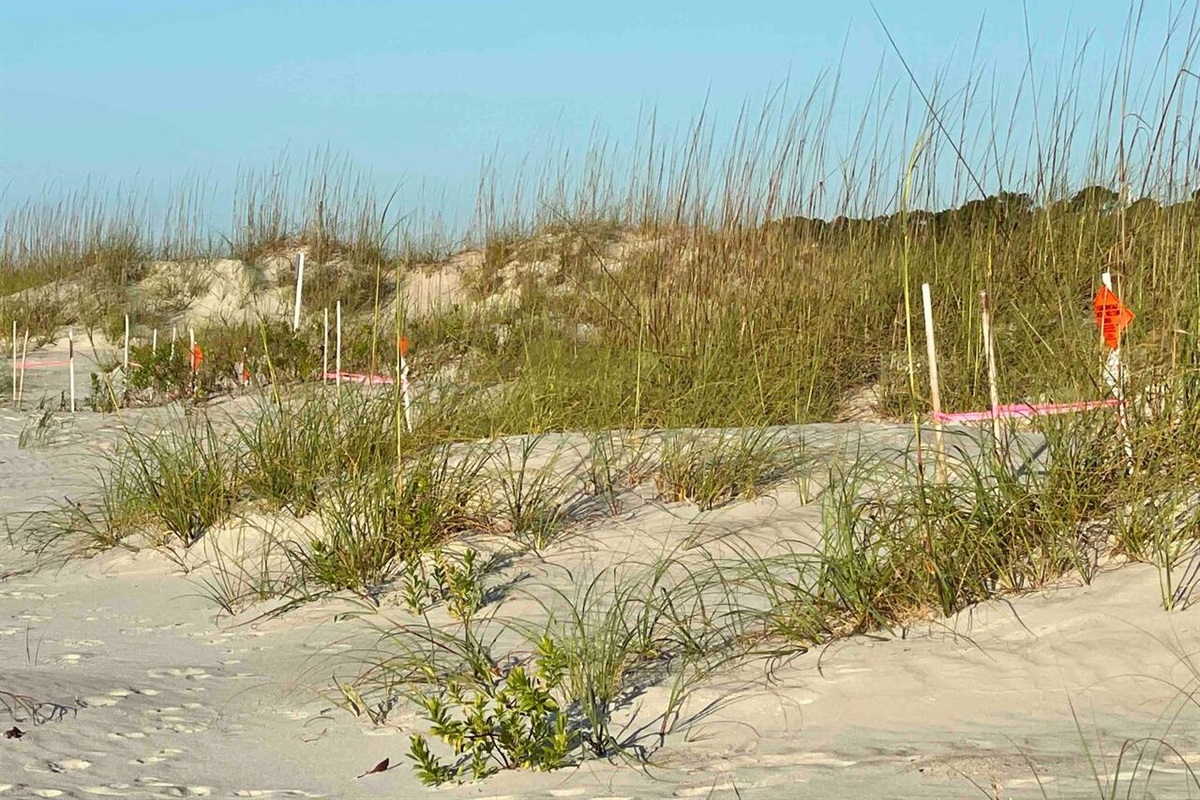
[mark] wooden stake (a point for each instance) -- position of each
(1114, 374)
(337, 368)
(126, 360)
(71, 365)
(989, 352)
(935, 392)
(325, 350)
(154, 342)
(174, 335)
(14, 364)
(403, 345)
(24, 356)
(192, 357)
(299, 293)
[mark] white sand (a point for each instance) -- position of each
(160, 698)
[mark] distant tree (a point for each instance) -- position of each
(1142, 208)
(1003, 208)
(1095, 198)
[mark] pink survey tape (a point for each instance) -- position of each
(354, 377)
(40, 364)
(1025, 411)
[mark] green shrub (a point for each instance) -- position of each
(492, 721)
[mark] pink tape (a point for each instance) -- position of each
(41, 364)
(354, 377)
(1025, 411)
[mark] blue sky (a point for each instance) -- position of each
(419, 92)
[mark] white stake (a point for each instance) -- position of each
(989, 352)
(299, 293)
(24, 356)
(174, 335)
(935, 392)
(191, 356)
(337, 364)
(71, 365)
(154, 342)
(14, 363)
(325, 351)
(404, 385)
(126, 361)
(1114, 376)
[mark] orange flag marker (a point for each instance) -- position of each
(1112, 317)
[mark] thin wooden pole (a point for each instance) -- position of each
(154, 342)
(192, 357)
(935, 392)
(71, 365)
(299, 293)
(174, 336)
(325, 349)
(14, 363)
(989, 352)
(1114, 373)
(337, 363)
(125, 362)
(24, 357)
(404, 384)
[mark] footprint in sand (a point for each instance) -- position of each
(100, 701)
(187, 673)
(82, 643)
(157, 758)
(73, 658)
(167, 789)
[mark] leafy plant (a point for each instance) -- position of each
(493, 721)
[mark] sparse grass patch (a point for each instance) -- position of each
(712, 470)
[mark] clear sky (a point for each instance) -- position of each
(422, 91)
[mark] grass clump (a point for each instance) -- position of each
(182, 481)
(371, 525)
(714, 470)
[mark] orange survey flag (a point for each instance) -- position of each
(403, 346)
(197, 357)
(1111, 316)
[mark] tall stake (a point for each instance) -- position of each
(24, 356)
(14, 364)
(299, 293)
(125, 361)
(192, 361)
(154, 342)
(404, 383)
(337, 362)
(989, 352)
(325, 350)
(71, 365)
(935, 391)
(1114, 376)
